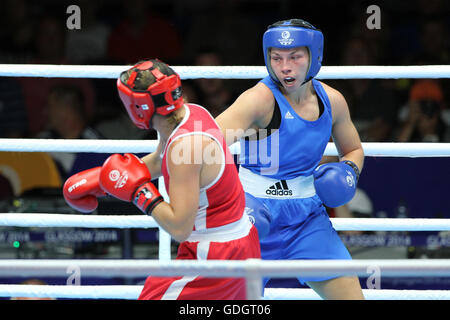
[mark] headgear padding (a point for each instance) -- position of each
(162, 97)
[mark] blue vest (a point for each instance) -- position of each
(296, 148)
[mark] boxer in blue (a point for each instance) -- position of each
(284, 124)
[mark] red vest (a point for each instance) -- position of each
(223, 201)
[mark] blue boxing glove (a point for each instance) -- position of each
(259, 215)
(335, 182)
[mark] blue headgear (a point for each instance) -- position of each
(294, 33)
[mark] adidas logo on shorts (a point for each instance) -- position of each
(279, 189)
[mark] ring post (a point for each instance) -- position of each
(164, 237)
(253, 279)
(164, 252)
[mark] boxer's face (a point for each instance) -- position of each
(290, 66)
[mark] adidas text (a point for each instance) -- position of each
(275, 192)
(279, 189)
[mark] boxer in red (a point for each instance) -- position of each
(206, 210)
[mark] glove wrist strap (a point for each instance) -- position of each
(354, 167)
(147, 197)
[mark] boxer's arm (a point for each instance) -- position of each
(335, 182)
(178, 216)
(344, 133)
(252, 110)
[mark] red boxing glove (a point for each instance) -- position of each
(127, 178)
(82, 189)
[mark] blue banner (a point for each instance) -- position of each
(416, 239)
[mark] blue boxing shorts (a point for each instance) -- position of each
(300, 227)
(312, 238)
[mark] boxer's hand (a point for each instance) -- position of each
(127, 178)
(259, 215)
(335, 182)
(82, 189)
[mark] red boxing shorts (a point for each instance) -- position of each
(201, 288)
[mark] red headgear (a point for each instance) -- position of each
(163, 96)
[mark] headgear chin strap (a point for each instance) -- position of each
(163, 96)
(290, 34)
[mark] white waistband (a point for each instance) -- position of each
(228, 232)
(265, 187)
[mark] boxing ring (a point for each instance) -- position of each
(252, 270)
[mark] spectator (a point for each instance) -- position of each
(90, 43)
(120, 128)
(371, 103)
(190, 92)
(49, 49)
(6, 189)
(49, 41)
(143, 33)
(16, 31)
(225, 19)
(212, 92)
(433, 42)
(13, 117)
(422, 116)
(67, 120)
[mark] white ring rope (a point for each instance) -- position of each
(254, 269)
(76, 220)
(376, 149)
(131, 292)
(142, 221)
(226, 72)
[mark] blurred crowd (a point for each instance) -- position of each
(223, 32)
